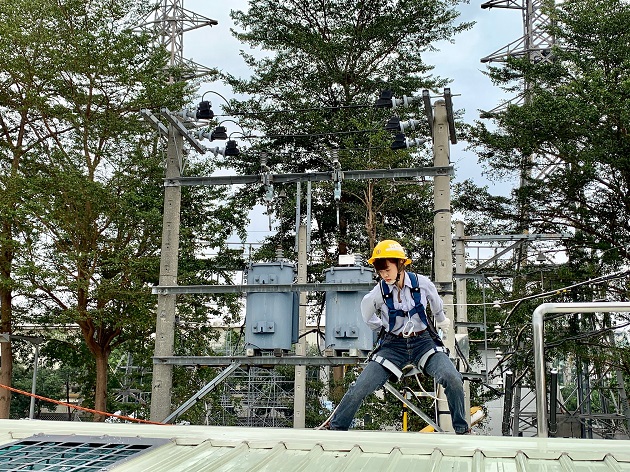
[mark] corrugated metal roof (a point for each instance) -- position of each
(223, 449)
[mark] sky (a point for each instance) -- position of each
(458, 61)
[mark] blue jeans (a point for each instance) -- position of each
(404, 351)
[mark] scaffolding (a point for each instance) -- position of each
(256, 397)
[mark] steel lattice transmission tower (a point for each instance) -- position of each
(536, 45)
(602, 401)
(536, 42)
(170, 22)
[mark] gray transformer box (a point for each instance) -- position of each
(271, 318)
(345, 328)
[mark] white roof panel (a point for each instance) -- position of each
(232, 449)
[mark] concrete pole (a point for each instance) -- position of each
(165, 323)
(442, 239)
(31, 413)
(299, 405)
(462, 307)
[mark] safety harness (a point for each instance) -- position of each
(395, 313)
(418, 308)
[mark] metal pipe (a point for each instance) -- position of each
(298, 216)
(507, 403)
(538, 321)
(31, 413)
(553, 404)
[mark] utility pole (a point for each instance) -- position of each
(461, 333)
(442, 239)
(299, 403)
(171, 21)
(165, 322)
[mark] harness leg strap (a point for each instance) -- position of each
(389, 365)
(427, 355)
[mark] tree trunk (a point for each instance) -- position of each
(370, 215)
(6, 366)
(6, 357)
(100, 399)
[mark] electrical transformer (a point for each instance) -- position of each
(271, 318)
(345, 328)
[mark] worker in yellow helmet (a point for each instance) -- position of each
(396, 307)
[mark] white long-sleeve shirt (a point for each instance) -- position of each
(376, 314)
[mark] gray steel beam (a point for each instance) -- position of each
(267, 288)
(274, 288)
(496, 257)
(391, 389)
(310, 176)
(512, 237)
(264, 361)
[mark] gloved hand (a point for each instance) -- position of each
(444, 325)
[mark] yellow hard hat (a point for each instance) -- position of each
(389, 249)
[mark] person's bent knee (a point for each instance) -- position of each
(450, 378)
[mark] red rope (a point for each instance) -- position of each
(89, 410)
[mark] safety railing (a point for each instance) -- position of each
(538, 325)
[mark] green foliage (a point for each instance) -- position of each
(82, 214)
(50, 384)
(569, 139)
(567, 145)
(313, 92)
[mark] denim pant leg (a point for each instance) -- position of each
(440, 367)
(371, 378)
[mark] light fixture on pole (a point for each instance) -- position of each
(231, 149)
(219, 133)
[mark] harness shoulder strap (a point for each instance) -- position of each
(415, 288)
(417, 299)
(419, 309)
(388, 298)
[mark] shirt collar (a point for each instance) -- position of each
(406, 284)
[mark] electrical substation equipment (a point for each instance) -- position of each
(345, 329)
(271, 318)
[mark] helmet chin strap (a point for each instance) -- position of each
(401, 267)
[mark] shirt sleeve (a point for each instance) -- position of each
(370, 308)
(434, 299)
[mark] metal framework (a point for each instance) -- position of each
(612, 417)
(170, 22)
(536, 42)
(255, 397)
